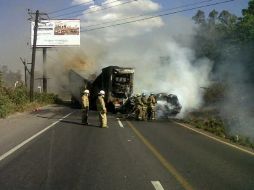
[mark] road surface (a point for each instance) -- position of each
(51, 149)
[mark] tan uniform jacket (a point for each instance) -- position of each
(144, 100)
(151, 101)
(138, 102)
(100, 104)
(85, 101)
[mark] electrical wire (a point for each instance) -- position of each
(60, 10)
(142, 15)
(77, 11)
(160, 15)
(92, 11)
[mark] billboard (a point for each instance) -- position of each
(52, 33)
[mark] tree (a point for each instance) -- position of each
(199, 18)
(1, 79)
(246, 24)
(227, 18)
(213, 16)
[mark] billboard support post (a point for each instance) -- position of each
(33, 56)
(45, 83)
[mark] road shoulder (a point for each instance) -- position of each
(21, 126)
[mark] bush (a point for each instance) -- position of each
(19, 95)
(217, 126)
(213, 125)
(45, 98)
(13, 100)
(215, 93)
(6, 105)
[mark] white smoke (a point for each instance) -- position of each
(159, 50)
(236, 108)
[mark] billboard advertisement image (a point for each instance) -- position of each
(57, 33)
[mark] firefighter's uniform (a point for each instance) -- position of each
(102, 109)
(138, 107)
(151, 102)
(144, 107)
(85, 107)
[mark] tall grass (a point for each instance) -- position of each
(17, 99)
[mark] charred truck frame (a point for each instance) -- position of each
(78, 82)
(117, 82)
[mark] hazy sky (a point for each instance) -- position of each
(15, 27)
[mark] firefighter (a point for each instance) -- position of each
(100, 104)
(85, 107)
(138, 107)
(151, 102)
(144, 107)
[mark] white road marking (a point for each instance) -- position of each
(157, 185)
(2, 157)
(119, 122)
(216, 139)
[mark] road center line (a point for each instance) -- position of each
(157, 185)
(216, 139)
(2, 157)
(119, 122)
(169, 167)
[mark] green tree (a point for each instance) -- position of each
(199, 18)
(246, 25)
(213, 17)
(1, 79)
(227, 18)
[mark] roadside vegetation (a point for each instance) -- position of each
(208, 118)
(228, 41)
(17, 99)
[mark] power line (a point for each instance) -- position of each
(103, 8)
(92, 11)
(137, 16)
(86, 3)
(160, 15)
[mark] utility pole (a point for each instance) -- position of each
(33, 56)
(44, 81)
(25, 69)
(36, 21)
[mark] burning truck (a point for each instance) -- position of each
(117, 82)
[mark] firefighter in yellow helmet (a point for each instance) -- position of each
(100, 104)
(144, 107)
(151, 102)
(85, 107)
(138, 107)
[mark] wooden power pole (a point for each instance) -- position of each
(44, 81)
(33, 56)
(25, 69)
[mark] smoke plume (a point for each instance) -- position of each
(237, 109)
(159, 49)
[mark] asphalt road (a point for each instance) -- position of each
(128, 155)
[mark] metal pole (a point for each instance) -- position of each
(45, 85)
(33, 57)
(25, 74)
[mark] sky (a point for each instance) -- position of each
(15, 27)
